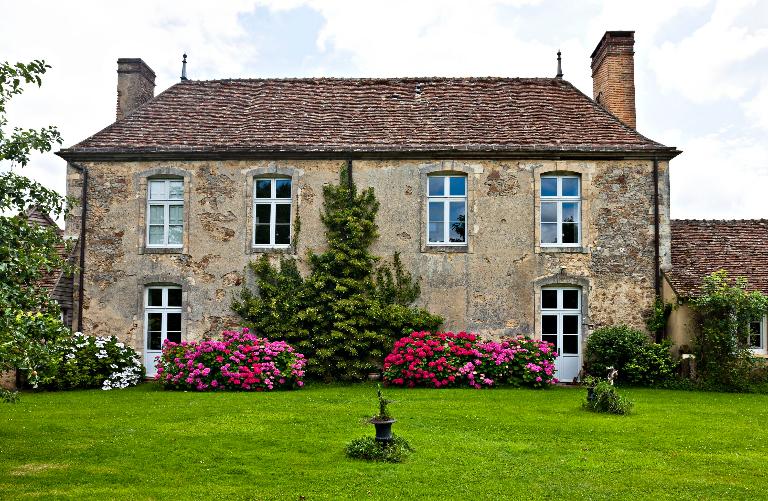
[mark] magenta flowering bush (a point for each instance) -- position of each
(448, 359)
(238, 361)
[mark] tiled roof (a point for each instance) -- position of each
(700, 247)
(327, 115)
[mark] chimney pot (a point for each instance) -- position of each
(135, 85)
(613, 75)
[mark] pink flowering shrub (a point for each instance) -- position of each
(448, 359)
(238, 361)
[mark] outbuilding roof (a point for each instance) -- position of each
(332, 116)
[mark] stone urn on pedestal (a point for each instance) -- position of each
(383, 420)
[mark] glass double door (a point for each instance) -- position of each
(561, 326)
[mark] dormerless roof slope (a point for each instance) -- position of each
(700, 247)
(331, 116)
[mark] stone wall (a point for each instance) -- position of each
(492, 286)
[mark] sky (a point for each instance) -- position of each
(701, 66)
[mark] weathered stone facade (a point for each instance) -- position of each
(491, 286)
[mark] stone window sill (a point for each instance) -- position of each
(562, 250)
(162, 250)
(444, 249)
(271, 250)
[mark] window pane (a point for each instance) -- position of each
(570, 186)
(153, 340)
(174, 337)
(282, 234)
(176, 189)
(550, 339)
(570, 212)
(570, 300)
(436, 212)
(436, 186)
(570, 233)
(457, 186)
(157, 190)
(436, 232)
(174, 297)
(548, 298)
(457, 212)
(457, 231)
(173, 322)
(549, 324)
(176, 214)
(154, 321)
(156, 235)
(262, 213)
(571, 345)
(154, 297)
(283, 213)
(261, 235)
(548, 212)
(174, 234)
(755, 339)
(263, 188)
(570, 324)
(282, 188)
(548, 186)
(156, 214)
(549, 233)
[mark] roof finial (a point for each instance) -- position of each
(559, 66)
(184, 68)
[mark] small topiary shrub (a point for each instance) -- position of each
(92, 362)
(240, 360)
(604, 398)
(448, 359)
(369, 449)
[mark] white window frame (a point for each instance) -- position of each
(559, 199)
(273, 202)
(164, 310)
(166, 203)
(446, 199)
(763, 348)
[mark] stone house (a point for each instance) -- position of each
(700, 247)
(522, 205)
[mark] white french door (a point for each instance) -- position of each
(162, 320)
(561, 326)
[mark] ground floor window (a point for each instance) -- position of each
(757, 335)
(162, 320)
(561, 326)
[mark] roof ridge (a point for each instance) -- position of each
(370, 79)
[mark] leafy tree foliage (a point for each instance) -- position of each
(725, 309)
(346, 314)
(29, 319)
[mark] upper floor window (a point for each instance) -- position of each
(757, 336)
(447, 210)
(560, 211)
(165, 209)
(272, 212)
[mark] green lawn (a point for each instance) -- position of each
(145, 443)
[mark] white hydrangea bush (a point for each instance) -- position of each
(98, 362)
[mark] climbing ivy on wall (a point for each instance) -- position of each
(346, 314)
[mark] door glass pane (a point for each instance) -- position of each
(154, 341)
(436, 211)
(436, 232)
(548, 212)
(550, 339)
(174, 297)
(282, 234)
(548, 324)
(570, 186)
(548, 186)
(283, 213)
(261, 234)
(154, 297)
(262, 213)
(155, 235)
(571, 345)
(436, 186)
(571, 299)
(173, 322)
(174, 337)
(549, 298)
(570, 233)
(282, 188)
(263, 188)
(156, 214)
(157, 190)
(154, 321)
(570, 324)
(174, 234)
(176, 214)
(457, 186)
(549, 233)
(570, 212)
(176, 190)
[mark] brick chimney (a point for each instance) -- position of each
(613, 75)
(135, 85)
